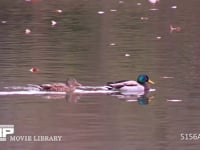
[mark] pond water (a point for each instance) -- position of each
(95, 42)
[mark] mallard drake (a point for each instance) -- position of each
(69, 86)
(131, 86)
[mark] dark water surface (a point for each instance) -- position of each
(129, 38)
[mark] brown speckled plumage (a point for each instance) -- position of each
(70, 86)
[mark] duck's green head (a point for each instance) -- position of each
(143, 78)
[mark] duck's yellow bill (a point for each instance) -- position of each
(151, 82)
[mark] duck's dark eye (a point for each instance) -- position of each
(147, 78)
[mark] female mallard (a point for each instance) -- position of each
(69, 86)
(131, 86)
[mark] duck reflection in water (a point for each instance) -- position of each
(73, 97)
(143, 99)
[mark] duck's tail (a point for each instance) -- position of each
(35, 86)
